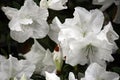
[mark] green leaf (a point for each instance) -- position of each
(47, 43)
(116, 69)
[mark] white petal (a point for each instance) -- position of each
(74, 32)
(48, 59)
(57, 4)
(108, 34)
(48, 63)
(105, 54)
(10, 12)
(75, 56)
(20, 36)
(94, 70)
(88, 77)
(41, 15)
(65, 49)
(15, 25)
(4, 76)
(27, 68)
(2, 59)
(54, 29)
(97, 20)
(29, 5)
(51, 76)
(109, 76)
(40, 30)
(41, 58)
(44, 4)
(36, 53)
(84, 15)
(30, 9)
(74, 20)
(11, 66)
(71, 76)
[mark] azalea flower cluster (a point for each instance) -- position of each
(83, 39)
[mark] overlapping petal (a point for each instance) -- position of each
(96, 72)
(12, 68)
(41, 58)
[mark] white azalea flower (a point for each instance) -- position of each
(29, 21)
(53, 4)
(96, 72)
(106, 4)
(41, 58)
(83, 41)
(12, 68)
(82, 33)
(53, 76)
(89, 50)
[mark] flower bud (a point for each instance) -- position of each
(57, 57)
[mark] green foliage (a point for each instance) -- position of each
(38, 77)
(116, 69)
(47, 43)
(65, 71)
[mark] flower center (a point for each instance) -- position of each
(89, 50)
